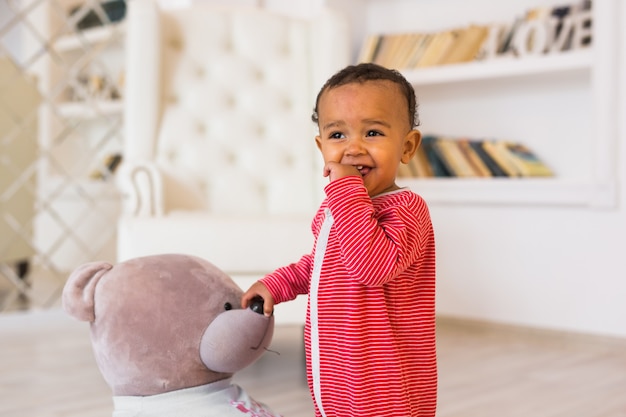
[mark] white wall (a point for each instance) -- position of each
(545, 267)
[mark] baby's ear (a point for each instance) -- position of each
(318, 142)
(412, 141)
(78, 293)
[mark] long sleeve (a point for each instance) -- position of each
(376, 246)
(287, 282)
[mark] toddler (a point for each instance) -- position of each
(370, 323)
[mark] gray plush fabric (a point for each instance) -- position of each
(166, 322)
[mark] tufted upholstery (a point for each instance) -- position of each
(220, 159)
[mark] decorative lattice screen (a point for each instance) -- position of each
(61, 79)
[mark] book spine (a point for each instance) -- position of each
(438, 167)
(492, 164)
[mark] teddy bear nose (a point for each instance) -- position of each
(256, 305)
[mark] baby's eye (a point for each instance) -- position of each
(373, 133)
(336, 135)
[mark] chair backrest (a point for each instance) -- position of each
(227, 114)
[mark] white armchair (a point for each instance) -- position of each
(219, 158)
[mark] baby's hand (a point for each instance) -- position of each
(259, 290)
(335, 170)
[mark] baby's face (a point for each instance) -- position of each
(365, 125)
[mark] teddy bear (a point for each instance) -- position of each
(168, 333)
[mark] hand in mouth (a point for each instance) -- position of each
(363, 170)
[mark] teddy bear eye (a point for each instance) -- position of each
(228, 306)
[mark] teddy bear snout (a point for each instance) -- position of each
(235, 339)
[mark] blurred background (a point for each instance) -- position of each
(539, 252)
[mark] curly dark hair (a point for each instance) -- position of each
(363, 72)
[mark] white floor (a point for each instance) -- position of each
(47, 370)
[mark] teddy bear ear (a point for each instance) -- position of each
(78, 292)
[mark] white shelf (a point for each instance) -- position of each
(90, 36)
(503, 191)
(92, 109)
(55, 187)
(504, 67)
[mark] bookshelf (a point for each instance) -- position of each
(81, 119)
(82, 79)
(105, 42)
(503, 68)
(525, 191)
(88, 37)
(91, 110)
(561, 104)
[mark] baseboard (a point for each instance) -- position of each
(555, 335)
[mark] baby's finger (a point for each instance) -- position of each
(246, 298)
(268, 306)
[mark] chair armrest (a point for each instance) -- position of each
(141, 184)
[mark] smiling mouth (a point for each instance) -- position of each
(363, 170)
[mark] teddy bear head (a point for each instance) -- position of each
(165, 322)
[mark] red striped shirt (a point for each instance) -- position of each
(375, 303)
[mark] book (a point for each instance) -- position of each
(369, 48)
(420, 165)
(525, 160)
(400, 54)
(419, 49)
(478, 165)
(467, 45)
(389, 53)
(452, 157)
(413, 43)
(384, 44)
(438, 167)
(495, 150)
(437, 48)
(495, 169)
(462, 157)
